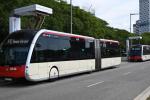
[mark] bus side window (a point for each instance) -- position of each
(39, 50)
(110, 49)
(77, 50)
(63, 49)
(89, 49)
(103, 49)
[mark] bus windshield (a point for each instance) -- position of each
(13, 56)
(135, 51)
(14, 49)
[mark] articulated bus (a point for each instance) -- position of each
(46, 54)
(139, 53)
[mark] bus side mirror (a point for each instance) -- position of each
(38, 45)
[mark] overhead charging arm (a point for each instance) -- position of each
(39, 12)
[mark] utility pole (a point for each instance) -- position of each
(71, 16)
(130, 19)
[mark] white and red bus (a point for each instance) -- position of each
(139, 53)
(46, 54)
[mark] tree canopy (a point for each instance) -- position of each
(84, 23)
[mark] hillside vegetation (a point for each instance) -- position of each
(84, 23)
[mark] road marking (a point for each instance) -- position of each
(144, 95)
(127, 73)
(95, 84)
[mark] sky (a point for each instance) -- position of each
(115, 12)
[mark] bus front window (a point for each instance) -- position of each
(135, 51)
(14, 49)
(13, 56)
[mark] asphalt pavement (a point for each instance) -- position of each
(125, 82)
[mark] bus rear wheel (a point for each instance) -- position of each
(54, 74)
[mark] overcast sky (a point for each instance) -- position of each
(115, 12)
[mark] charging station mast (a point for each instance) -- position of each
(33, 10)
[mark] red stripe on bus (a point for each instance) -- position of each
(69, 35)
(135, 58)
(12, 71)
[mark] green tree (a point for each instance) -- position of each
(84, 23)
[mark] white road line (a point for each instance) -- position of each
(95, 84)
(127, 73)
(144, 95)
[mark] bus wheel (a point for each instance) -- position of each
(54, 74)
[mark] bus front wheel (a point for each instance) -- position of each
(54, 74)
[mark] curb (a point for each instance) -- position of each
(144, 95)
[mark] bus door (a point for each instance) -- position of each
(97, 54)
(38, 61)
(33, 69)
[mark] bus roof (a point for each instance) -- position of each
(67, 34)
(107, 40)
(140, 45)
(25, 31)
(34, 32)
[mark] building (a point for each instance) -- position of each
(144, 17)
(136, 27)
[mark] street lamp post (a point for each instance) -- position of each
(71, 16)
(130, 19)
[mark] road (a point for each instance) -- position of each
(122, 83)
